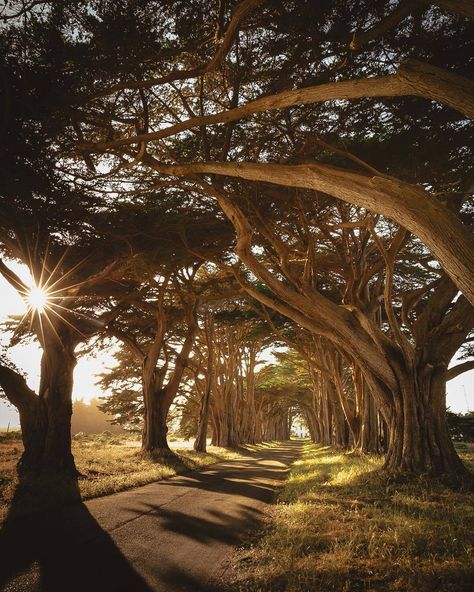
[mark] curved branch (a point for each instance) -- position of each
(404, 9)
(15, 388)
(410, 206)
(459, 369)
(316, 313)
(127, 340)
(14, 280)
(413, 78)
(389, 259)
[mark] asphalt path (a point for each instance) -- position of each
(171, 535)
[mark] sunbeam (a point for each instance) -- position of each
(37, 299)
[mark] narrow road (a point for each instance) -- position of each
(172, 535)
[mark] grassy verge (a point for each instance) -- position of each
(107, 464)
(339, 526)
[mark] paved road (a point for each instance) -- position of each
(173, 535)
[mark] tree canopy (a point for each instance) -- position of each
(200, 180)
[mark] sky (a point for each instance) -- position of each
(27, 357)
(460, 391)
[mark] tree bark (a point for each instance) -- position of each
(45, 419)
(155, 429)
(419, 440)
(200, 444)
(158, 396)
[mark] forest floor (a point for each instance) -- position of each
(107, 464)
(340, 526)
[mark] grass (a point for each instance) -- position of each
(340, 526)
(107, 464)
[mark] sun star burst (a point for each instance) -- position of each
(37, 298)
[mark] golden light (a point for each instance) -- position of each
(37, 299)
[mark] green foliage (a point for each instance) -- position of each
(461, 426)
(287, 379)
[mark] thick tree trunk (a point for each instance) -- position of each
(157, 398)
(369, 440)
(419, 440)
(46, 422)
(200, 444)
(258, 425)
(369, 430)
(221, 433)
(155, 429)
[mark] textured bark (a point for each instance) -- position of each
(248, 431)
(45, 418)
(155, 429)
(200, 444)
(369, 439)
(233, 409)
(419, 437)
(158, 398)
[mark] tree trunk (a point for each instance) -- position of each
(419, 440)
(220, 435)
(155, 429)
(200, 445)
(369, 433)
(46, 422)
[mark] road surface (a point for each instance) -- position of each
(172, 535)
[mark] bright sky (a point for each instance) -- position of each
(459, 396)
(27, 358)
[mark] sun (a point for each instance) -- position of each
(37, 298)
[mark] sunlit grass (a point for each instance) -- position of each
(340, 525)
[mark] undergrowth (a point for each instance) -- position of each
(340, 525)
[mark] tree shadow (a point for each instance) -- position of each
(63, 549)
(175, 539)
(243, 477)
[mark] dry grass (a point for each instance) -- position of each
(107, 464)
(340, 526)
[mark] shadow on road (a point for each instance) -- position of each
(162, 540)
(63, 550)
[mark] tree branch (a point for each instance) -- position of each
(413, 78)
(15, 388)
(241, 11)
(459, 369)
(410, 206)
